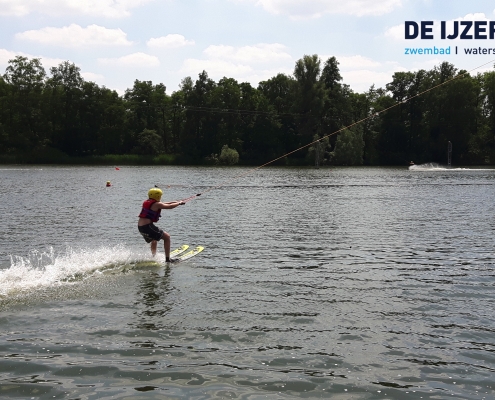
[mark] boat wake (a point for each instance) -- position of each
(438, 167)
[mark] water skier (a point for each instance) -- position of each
(150, 213)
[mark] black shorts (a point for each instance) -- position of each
(150, 232)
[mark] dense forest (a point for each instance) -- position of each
(59, 117)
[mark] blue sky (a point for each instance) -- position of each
(115, 42)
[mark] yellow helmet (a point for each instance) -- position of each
(155, 194)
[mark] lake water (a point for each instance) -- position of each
(341, 283)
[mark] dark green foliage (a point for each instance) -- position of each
(61, 118)
(317, 152)
(23, 125)
(228, 156)
(349, 147)
(148, 142)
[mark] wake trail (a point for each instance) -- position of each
(44, 269)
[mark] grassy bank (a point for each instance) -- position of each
(56, 157)
(48, 155)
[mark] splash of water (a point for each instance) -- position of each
(438, 167)
(41, 269)
(427, 167)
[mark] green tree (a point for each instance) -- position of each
(279, 135)
(483, 143)
(23, 119)
(349, 147)
(451, 113)
(199, 132)
(336, 107)
(228, 156)
(112, 131)
(396, 139)
(64, 95)
(371, 126)
(177, 116)
(149, 108)
(227, 98)
(261, 135)
(309, 98)
(148, 143)
(425, 109)
(317, 151)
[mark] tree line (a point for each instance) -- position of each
(50, 117)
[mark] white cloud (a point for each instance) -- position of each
(259, 53)
(360, 72)
(396, 32)
(6, 55)
(13, 7)
(100, 8)
(171, 41)
(76, 36)
(303, 9)
(472, 17)
(361, 80)
(353, 62)
(265, 74)
(51, 62)
(92, 77)
(246, 63)
(215, 68)
(427, 64)
(140, 60)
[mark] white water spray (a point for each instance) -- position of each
(438, 167)
(46, 269)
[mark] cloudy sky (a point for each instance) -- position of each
(115, 42)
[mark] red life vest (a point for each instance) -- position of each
(147, 212)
